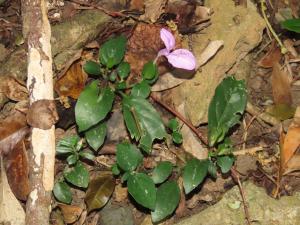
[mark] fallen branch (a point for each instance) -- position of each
(37, 33)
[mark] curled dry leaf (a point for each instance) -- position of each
(12, 130)
(281, 86)
(42, 114)
(99, 191)
(166, 81)
(11, 211)
(212, 48)
(71, 213)
(18, 171)
(270, 58)
(13, 89)
(72, 82)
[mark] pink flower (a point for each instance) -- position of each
(180, 58)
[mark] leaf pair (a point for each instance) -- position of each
(143, 122)
(162, 201)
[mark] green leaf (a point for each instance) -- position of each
(87, 154)
(62, 192)
(141, 89)
(67, 145)
(173, 124)
(99, 191)
(121, 85)
(142, 189)
(115, 169)
(177, 137)
(93, 68)
(225, 147)
(194, 173)
(212, 169)
(72, 159)
(161, 172)
(128, 156)
(225, 163)
(96, 135)
(226, 108)
(113, 51)
(123, 70)
(142, 121)
(77, 175)
(113, 76)
(93, 105)
(167, 199)
(292, 25)
(150, 72)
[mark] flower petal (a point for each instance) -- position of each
(164, 52)
(168, 39)
(182, 58)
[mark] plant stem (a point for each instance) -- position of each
(269, 26)
(179, 116)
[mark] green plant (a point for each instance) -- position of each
(71, 148)
(291, 25)
(153, 190)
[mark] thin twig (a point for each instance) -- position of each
(249, 151)
(179, 116)
(270, 28)
(236, 178)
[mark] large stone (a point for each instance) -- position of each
(263, 209)
(241, 30)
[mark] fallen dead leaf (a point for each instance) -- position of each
(72, 82)
(137, 5)
(191, 143)
(71, 213)
(17, 171)
(182, 203)
(293, 164)
(153, 10)
(143, 46)
(11, 211)
(295, 7)
(14, 89)
(42, 114)
(12, 130)
(281, 86)
(271, 57)
(212, 48)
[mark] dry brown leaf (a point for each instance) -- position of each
(281, 86)
(72, 82)
(153, 10)
(42, 114)
(295, 7)
(18, 171)
(71, 213)
(270, 58)
(11, 211)
(137, 5)
(290, 145)
(212, 48)
(143, 46)
(293, 164)
(12, 130)
(13, 89)
(180, 211)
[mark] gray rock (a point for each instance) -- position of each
(263, 209)
(116, 215)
